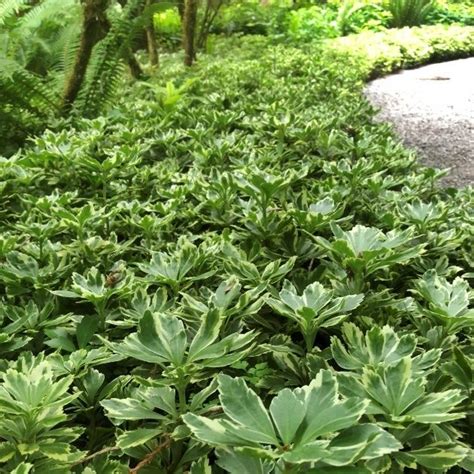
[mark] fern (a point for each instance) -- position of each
(27, 88)
(106, 66)
(26, 101)
(345, 13)
(409, 12)
(9, 8)
(64, 51)
(44, 11)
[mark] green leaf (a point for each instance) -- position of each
(364, 441)
(325, 411)
(468, 462)
(208, 332)
(129, 409)
(448, 303)
(22, 468)
(308, 452)
(440, 455)
(245, 408)
(170, 332)
(131, 439)
(86, 329)
(436, 407)
(161, 338)
(65, 293)
(360, 238)
(214, 432)
(201, 467)
(393, 387)
(380, 345)
(239, 463)
(7, 451)
(163, 398)
(460, 369)
(28, 448)
(287, 412)
(314, 309)
(57, 451)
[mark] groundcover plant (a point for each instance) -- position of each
(240, 272)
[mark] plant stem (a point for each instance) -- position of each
(181, 387)
(149, 457)
(100, 308)
(309, 337)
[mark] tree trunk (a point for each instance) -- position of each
(151, 38)
(181, 9)
(94, 27)
(152, 46)
(134, 66)
(208, 18)
(189, 28)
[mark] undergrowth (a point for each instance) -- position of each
(237, 272)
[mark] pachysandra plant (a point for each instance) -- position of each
(21, 271)
(243, 273)
(34, 428)
(176, 270)
(384, 370)
(378, 346)
(316, 308)
(318, 215)
(227, 301)
(162, 339)
(366, 250)
(446, 304)
(98, 289)
(292, 434)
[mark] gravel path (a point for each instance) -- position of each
(432, 109)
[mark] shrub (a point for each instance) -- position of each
(353, 16)
(386, 51)
(307, 24)
(167, 25)
(250, 17)
(449, 13)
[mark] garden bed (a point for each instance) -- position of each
(241, 268)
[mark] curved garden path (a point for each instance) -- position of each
(432, 109)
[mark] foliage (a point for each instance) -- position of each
(105, 69)
(387, 51)
(168, 26)
(35, 53)
(38, 43)
(449, 12)
(301, 417)
(409, 12)
(250, 17)
(307, 24)
(237, 270)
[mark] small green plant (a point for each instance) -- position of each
(167, 25)
(409, 12)
(290, 435)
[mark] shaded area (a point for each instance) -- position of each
(432, 109)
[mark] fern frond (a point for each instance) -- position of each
(44, 11)
(26, 103)
(106, 65)
(25, 89)
(64, 52)
(9, 8)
